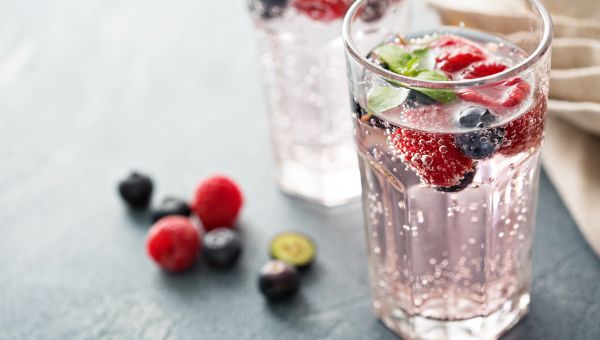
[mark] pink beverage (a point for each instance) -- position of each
(301, 52)
(450, 178)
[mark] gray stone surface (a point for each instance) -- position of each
(92, 88)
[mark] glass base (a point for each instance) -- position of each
(328, 188)
(490, 326)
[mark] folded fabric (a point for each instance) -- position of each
(573, 130)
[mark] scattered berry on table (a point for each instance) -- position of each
(294, 249)
(173, 243)
(170, 206)
(136, 190)
(221, 247)
(217, 202)
(278, 280)
(323, 10)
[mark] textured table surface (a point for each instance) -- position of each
(92, 88)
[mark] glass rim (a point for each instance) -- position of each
(532, 58)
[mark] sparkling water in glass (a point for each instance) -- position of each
(449, 203)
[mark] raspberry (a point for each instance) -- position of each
(323, 10)
(217, 202)
(483, 69)
(517, 90)
(456, 53)
(173, 243)
(526, 131)
(434, 156)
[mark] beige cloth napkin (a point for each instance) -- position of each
(572, 151)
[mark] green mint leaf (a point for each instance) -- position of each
(426, 59)
(444, 96)
(383, 98)
(394, 56)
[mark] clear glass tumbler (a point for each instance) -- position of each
(449, 207)
(303, 68)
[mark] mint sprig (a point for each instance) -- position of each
(416, 64)
(383, 98)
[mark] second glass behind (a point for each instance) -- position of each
(302, 57)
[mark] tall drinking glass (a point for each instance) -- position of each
(448, 123)
(307, 99)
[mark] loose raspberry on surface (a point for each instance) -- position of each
(323, 10)
(173, 243)
(526, 131)
(217, 202)
(434, 156)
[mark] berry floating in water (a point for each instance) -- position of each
(173, 243)
(294, 249)
(463, 184)
(479, 144)
(170, 206)
(278, 280)
(217, 202)
(136, 190)
(222, 247)
(416, 99)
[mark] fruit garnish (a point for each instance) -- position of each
(278, 280)
(293, 248)
(463, 184)
(455, 53)
(374, 10)
(323, 10)
(173, 243)
(170, 206)
(221, 247)
(136, 190)
(217, 202)
(515, 91)
(416, 99)
(483, 143)
(526, 131)
(434, 156)
(483, 69)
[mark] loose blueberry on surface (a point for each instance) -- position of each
(416, 98)
(294, 249)
(464, 182)
(268, 9)
(479, 144)
(222, 247)
(278, 280)
(136, 190)
(170, 206)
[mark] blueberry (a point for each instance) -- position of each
(416, 98)
(464, 182)
(478, 144)
(221, 247)
(170, 206)
(278, 280)
(476, 116)
(136, 190)
(268, 9)
(365, 116)
(374, 10)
